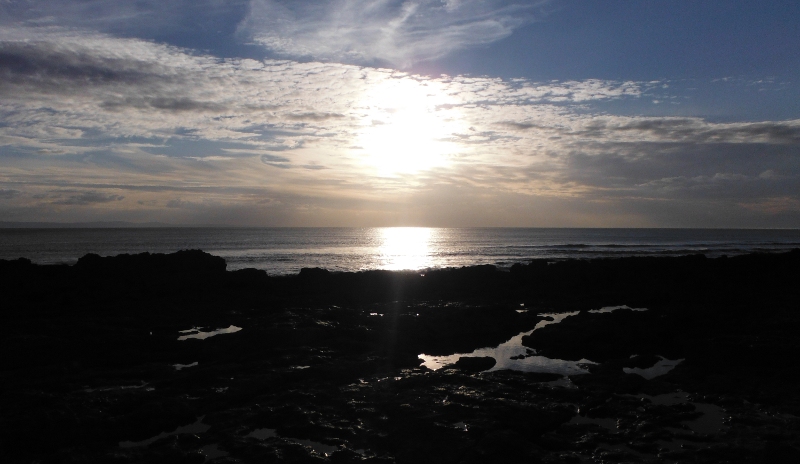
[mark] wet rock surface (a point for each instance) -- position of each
(325, 367)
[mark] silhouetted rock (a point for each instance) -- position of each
(314, 273)
(91, 357)
(249, 277)
(475, 364)
(181, 264)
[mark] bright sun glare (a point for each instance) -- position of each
(405, 131)
(406, 248)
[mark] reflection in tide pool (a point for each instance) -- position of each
(406, 248)
(320, 448)
(660, 368)
(194, 428)
(184, 366)
(514, 356)
(611, 309)
(212, 451)
(195, 332)
(710, 422)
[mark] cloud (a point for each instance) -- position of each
(313, 167)
(143, 17)
(179, 203)
(86, 198)
(385, 31)
(172, 105)
(81, 83)
(774, 205)
(694, 130)
(7, 194)
(276, 161)
(316, 117)
(47, 62)
(110, 117)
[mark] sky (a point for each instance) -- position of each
(437, 113)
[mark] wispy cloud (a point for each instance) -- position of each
(393, 32)
(126, 18)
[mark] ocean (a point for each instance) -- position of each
(286, 250)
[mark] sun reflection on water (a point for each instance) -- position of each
(406, 248)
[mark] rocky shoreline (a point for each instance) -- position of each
(171, 358)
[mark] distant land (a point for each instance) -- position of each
(82, 225)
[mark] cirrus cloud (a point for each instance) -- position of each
(383, 31)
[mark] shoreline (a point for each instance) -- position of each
(167, 358)
(287, 251)
(638, 280)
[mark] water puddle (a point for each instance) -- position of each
(605, 422)
(212, 451)
(563, 382)
(711, 422)
(119, 388)
(321, 448)
(196, 427)
(197, 333)
(513, 355)
(262, 434)
(660, 368)
(556, 318)
(184, 366)
(610, 309)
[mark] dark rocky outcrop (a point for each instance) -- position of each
(87, 356)
(475, 364)
(190, 263)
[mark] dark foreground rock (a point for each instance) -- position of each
(171, 358)
(475, 364)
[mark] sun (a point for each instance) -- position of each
(404, 130)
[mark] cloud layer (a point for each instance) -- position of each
(393, 32)
(97, 127)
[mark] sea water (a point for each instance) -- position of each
(287, 250)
